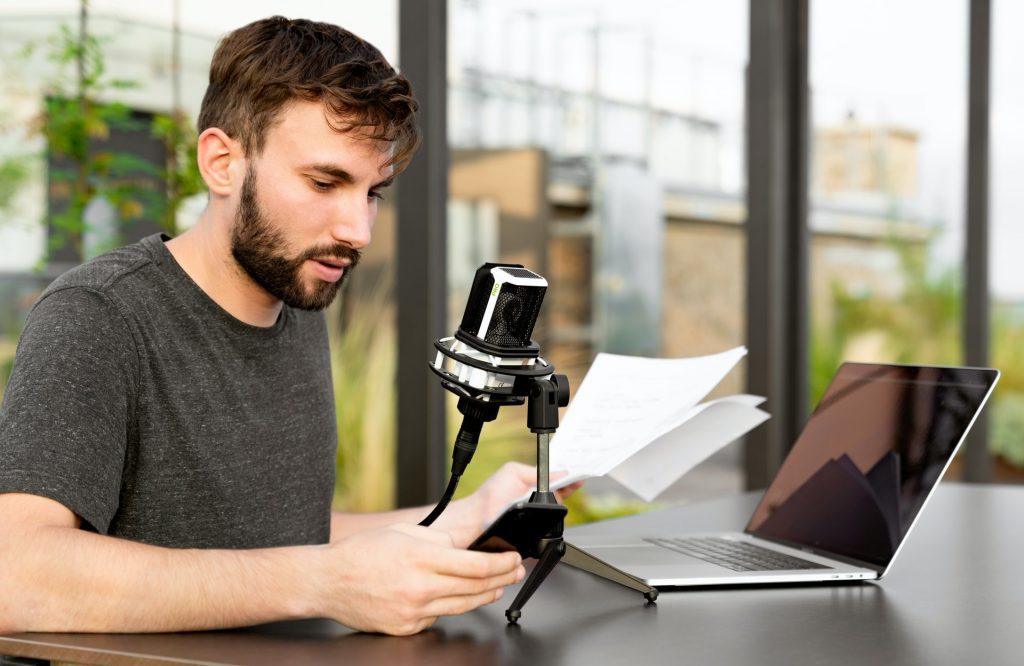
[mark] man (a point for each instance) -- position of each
(167, 438)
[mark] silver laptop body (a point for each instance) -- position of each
(845, 498)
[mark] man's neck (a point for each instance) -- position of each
(204, 253)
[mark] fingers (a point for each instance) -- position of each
(568, 490)
(443, 587)
(525, 473)
(437, 553)
(457, 605)
(449, 595)
(474, 564)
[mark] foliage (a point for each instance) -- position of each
(924, 326)
(921, 326)
(13, 173)
(75, 123)
(363, 365)
(181, 170)
(1007, 432)
(1008, 348)
(78, 117)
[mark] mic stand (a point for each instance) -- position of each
(546, 395)
(534, 528)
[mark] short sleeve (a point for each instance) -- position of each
(68, 407)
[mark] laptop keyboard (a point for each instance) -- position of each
(735, 555)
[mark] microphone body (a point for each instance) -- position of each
(491, 357)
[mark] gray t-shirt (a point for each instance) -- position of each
(141, 405)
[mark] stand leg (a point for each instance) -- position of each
(581, 559)
(550, 556)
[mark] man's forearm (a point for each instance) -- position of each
(65, 579)
(459, 519)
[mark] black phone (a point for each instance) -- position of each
(521, 528)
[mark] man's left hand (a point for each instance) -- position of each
(466, 519)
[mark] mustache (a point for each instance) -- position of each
(332, 251)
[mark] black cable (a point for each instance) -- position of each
(449, 492)
(474, 415)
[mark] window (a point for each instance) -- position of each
(1006, 236)
(888, 104)
(611, 148)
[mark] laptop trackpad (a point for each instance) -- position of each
(640, 555)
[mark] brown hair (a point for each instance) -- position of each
(261, 67)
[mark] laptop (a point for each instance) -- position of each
(846, 496)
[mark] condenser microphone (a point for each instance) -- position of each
(492, 348)
(491, 359)
(502, 309)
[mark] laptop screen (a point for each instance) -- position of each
(870, 454)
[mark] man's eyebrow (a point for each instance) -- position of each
(345, 176)
(333, 171)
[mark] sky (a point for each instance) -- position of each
(876, 58)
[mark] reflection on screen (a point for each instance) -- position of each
(872, 451)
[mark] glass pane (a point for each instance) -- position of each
(608, 153)
(888, 104)
(1006, 415)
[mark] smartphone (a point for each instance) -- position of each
(521, 528)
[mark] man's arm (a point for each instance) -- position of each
(57, 577)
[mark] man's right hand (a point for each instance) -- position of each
(400, 579)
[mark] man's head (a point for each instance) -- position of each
(320, 121)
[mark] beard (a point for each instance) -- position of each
(254, 240)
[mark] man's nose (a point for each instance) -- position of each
(353, 225)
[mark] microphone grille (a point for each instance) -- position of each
(515, 314)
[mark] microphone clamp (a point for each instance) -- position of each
(481, 376)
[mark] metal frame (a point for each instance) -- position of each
(777, 233)
(422, 200)
(977, 461)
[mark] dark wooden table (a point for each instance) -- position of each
(954, 596)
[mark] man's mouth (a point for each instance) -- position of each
(331, 262)
(330, 269)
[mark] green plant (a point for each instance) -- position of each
(181, 171)
(363, 357)
(13, 173)
(1005, 437)
(922, 325)
(79, 115)
(74, 123)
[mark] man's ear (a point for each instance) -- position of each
(220, 159)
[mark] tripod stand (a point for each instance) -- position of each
(534, 528)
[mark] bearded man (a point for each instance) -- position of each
(167, 439)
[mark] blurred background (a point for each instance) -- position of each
(617, 148)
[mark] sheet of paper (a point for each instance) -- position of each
(710, 427)
(626, 402)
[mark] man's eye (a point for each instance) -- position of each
(375, 195)
(320, 185)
